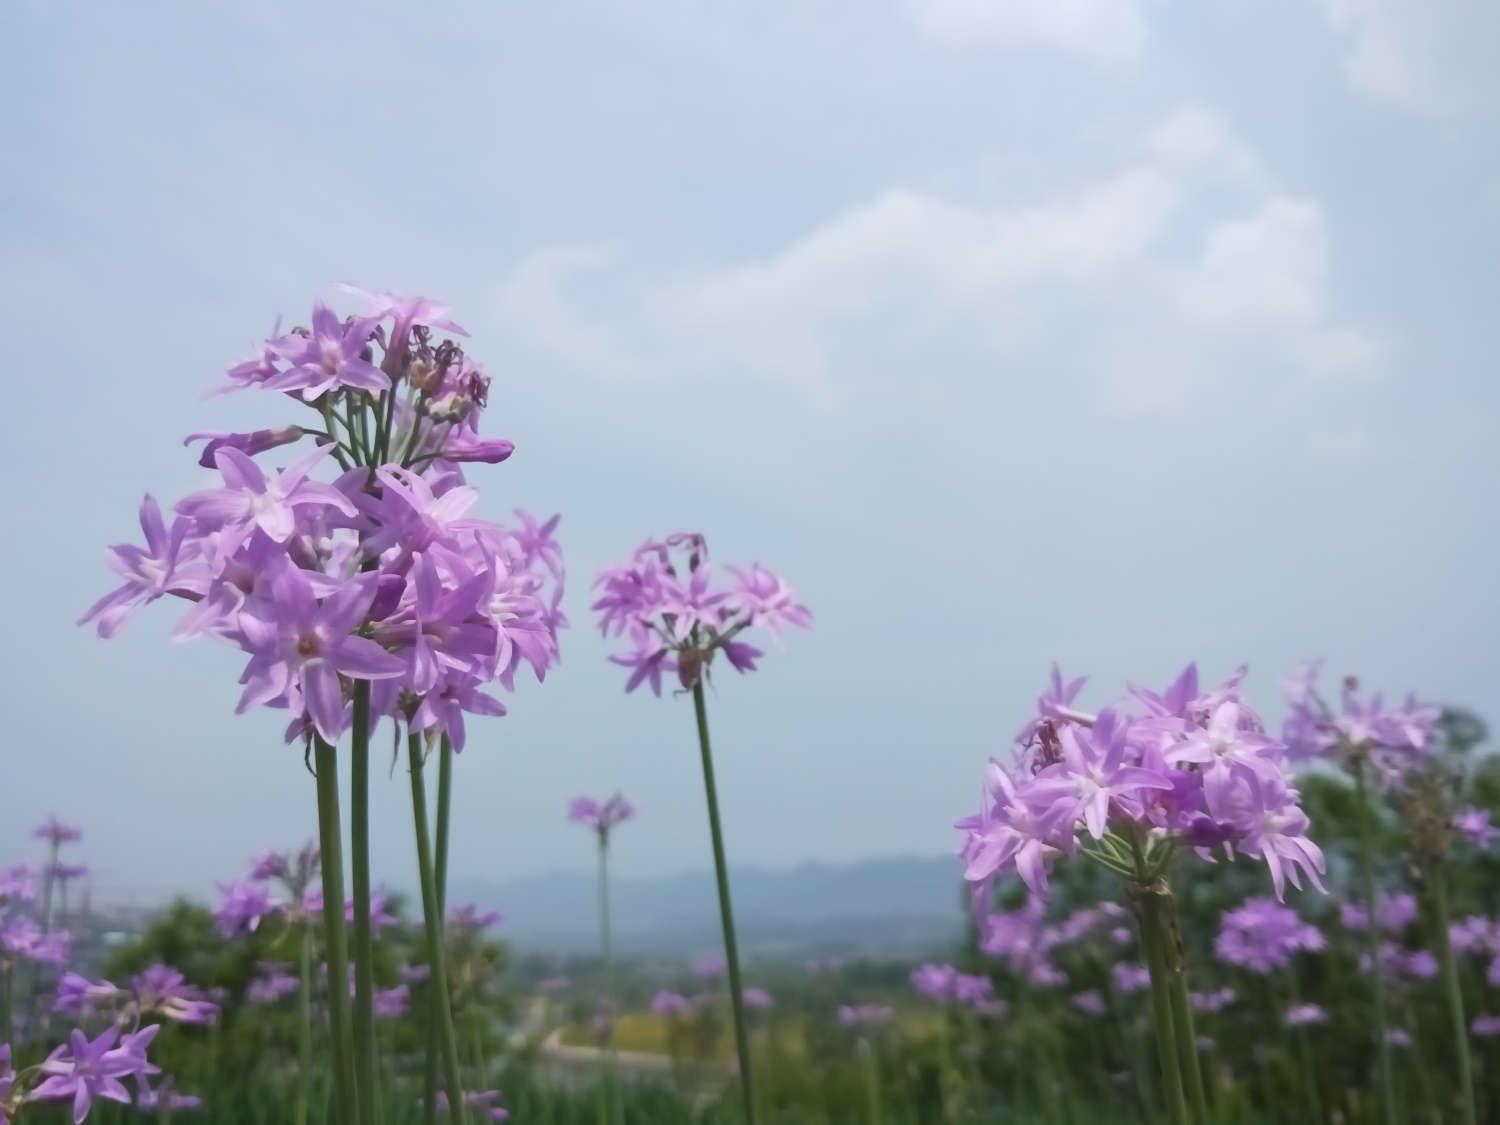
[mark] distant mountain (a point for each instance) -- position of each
(898, 907)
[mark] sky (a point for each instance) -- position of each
(1114, 332)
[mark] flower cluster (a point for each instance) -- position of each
(665, 600)
(378, 575)
(864, 1015)
(669, 1004)
(945, 984)
(81, 1071)
(601, 816)
(1262, 935)
(1393, 739)
(1186, 768)
(159, 990)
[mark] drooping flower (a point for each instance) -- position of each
(170, 563)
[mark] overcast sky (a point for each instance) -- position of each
(1121, 332)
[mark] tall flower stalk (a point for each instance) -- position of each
(604, 817)
(1372, 742)
(376, 589)
(1188, 770)
(665, 601)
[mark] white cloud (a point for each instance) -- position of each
(1158, 273)
(1429, 54)
(1102, 29)
(536, 295)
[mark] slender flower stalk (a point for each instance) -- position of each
(1453, 994)
(433, 925)
(604, 817)
(1366, 816)
(330, 845)
(364, 943)
(304, 1030)
(664, 599)
(376, 586)
(1194, 770)
(869, 1065)
(726, 909)
(444, 818)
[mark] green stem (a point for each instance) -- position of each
(726, 911)
(611, 1069)
(304, 1036)
(1372, 938)
(1152, 941)
(1182, 1006)
(1454, 994)
(7, 987)
(331, 846)
(444, 809)
(364, 945)
(433, 923)
(870, 1065)
(444, 817)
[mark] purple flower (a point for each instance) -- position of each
(1130, 977)
(710, 965)
(1303, 1015)
(469, 918)
(677, 620)
(405, 311)
(21, 939)
(250, 500)
(669, 1004)
(257, 441)
(268, 865)
(297, 642)
(390, 1003)
(329, 358)
(56, 833)
(1262, 935)
(87, 1069)
(241, 907)
(162, 990)
(554, 984)
(17, 884)
(1209, 1002)
(1475, 827)
(1095, 777)
(934, 981)
(485, 1100)
(77, 995)
(1090, 1003)
(1393, 913)
(756, 998)
(1054, 703)
(169, 564)
(1474, 934)
(864, 1015)
(166, 1099)
(1398, 1037)
(603, 816)
(1485, 1025)
(273, 980)
(414, 974)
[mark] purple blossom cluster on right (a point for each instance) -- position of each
(1181, 768)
